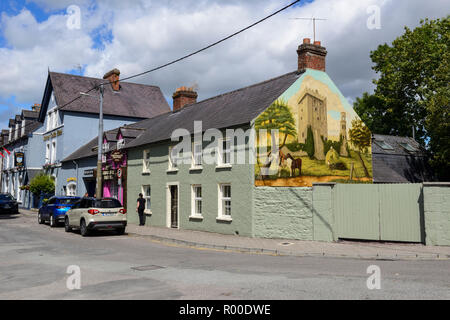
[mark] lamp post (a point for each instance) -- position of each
(98, 192)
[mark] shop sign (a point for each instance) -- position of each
(117, 156)
(89, 173)
(19, 159)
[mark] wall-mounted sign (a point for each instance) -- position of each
(108, 174)
(89, 173)
(71, 179)
(19, 158)
(119, 173)
(116, 156)
(53, 135)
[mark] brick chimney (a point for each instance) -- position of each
(113, 77)
(311, 55)
(183, 96)
(36, 107)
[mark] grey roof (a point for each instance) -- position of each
(227, 110)
(29, 114)
(132, 100)
(399, 165)
(89, 149)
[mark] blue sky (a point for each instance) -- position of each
(138, 35)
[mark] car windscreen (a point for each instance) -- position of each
(107, 203)
(5, 197)
(68, 201)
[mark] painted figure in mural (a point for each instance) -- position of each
(295, 164)
(140, 207)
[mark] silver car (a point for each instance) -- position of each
(90, 214)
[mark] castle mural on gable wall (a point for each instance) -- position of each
(319, 137)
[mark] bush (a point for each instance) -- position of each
(42, 184)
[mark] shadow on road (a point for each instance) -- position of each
(9, 216)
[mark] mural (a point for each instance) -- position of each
(311, 134)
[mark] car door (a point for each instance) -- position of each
(50, 207)
(71, 214)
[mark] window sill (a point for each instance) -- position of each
(172, 170)
(196, 217)
(199, 168)
(224, 166)
(146, 173)
(224, 218)
(148, 212)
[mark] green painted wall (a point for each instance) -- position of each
(283, 212)
(241, 178)
(437, 213)
(323, 218)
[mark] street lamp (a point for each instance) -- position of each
(100, 143)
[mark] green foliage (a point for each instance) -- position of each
(42, 184)
(412, 90)
(277, 116)
(327, 144)
(295, 146)
(360, 135)
(309, 143)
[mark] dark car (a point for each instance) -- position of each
(54, 209)
(8, 204)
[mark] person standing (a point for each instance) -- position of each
(140, 207)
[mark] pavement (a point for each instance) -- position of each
(287, 247)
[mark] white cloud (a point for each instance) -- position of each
(147, 34)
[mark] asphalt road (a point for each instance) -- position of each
(34, 260)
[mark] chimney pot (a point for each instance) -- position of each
(311, 56)
(113, 77)
(182, 97)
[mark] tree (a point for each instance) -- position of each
(42, 184)
(277, 117)
(309, 143)
(361, 138)
(413, 88)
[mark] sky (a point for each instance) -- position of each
(138, 35)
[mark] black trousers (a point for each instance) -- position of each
(141, 217)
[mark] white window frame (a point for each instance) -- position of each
(197, 156)
(120, 143)
(71, 189)
(146, 161)
(16, 131)
(222, 151)
(53, 152)
(194, 200)
(148, 198)
(47, 153)
(23, 128)
(105, 147)
(173, 166)
(222, 199)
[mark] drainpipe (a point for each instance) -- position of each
(76, 168)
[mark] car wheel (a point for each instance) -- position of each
(40, 220)
(121, 231)
(66, 225)
(52, 221)
(83, 229)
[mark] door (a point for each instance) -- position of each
(174, 206)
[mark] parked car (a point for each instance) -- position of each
(90, 214)
(8, 204)
(54, 210)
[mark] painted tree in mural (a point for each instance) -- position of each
(360, 136)
(277, 116)
(309, 143)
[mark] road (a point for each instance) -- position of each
(34, 260)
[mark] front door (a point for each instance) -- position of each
(174, 206)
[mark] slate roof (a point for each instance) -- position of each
(399, 165)
(132, 100)
(29, 114)
(227, 110)
(224, 111)
(89, 149)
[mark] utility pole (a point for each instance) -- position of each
(98, 192)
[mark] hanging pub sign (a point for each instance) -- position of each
(117, 156)
(19, 159)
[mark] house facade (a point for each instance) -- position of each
(311, 144)
(70, 120)
(22, 156)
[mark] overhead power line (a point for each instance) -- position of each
(184, 57)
